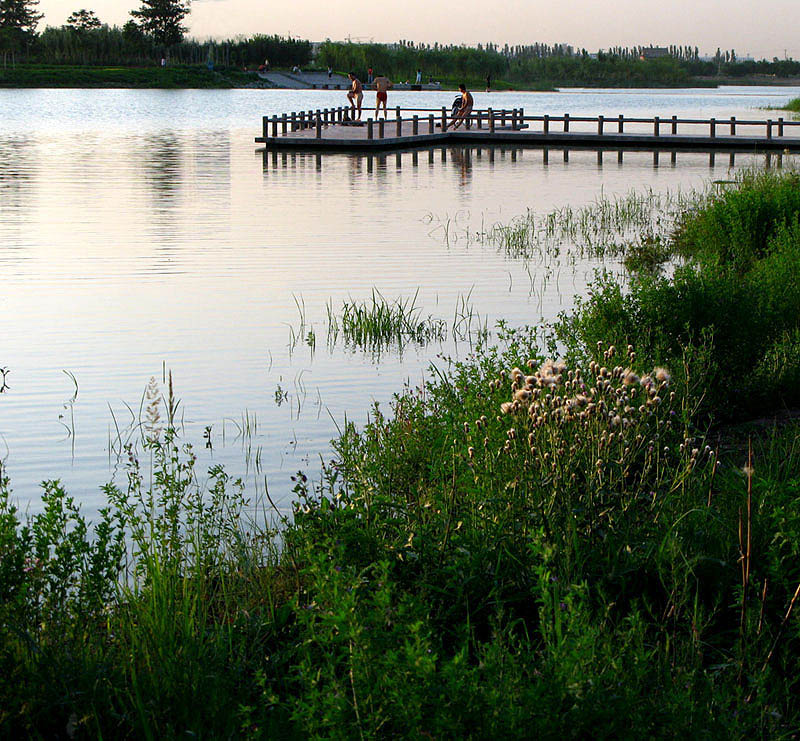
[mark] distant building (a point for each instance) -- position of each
(653, 52)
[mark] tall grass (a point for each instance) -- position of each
(520, 550)
(606, 227)
(526, 547)
(735, 305)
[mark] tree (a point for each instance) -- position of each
(163, 19)
(83, 20)
(18, 21)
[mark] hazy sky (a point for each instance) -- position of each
(762, 29)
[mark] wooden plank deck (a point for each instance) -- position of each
(327, 132)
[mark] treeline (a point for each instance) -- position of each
(557, 64)
(519, 64)
(129, 46)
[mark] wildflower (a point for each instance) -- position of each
(512, 434)
(471, 452)
(748, 471)
(466, 428)
(522, 395)
(662, 375)
(629, 378)
(505, 407)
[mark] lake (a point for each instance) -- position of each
(143, 232)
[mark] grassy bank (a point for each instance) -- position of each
(523, 548)
(793, 105)
(177, 76)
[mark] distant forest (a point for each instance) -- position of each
(103, 45)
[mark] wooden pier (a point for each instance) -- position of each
(332, 130)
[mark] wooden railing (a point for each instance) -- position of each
(513, 119)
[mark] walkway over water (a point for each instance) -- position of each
(333, 129)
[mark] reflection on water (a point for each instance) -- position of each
(461, 158)
(133, 242)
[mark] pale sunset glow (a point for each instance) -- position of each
(734, 24)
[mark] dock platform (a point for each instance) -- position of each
(333, 129)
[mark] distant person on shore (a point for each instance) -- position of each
(419, 76)
(356, 95)
(382, 85)
(488, 83)
(330, 72)
(369, 76)
(466, 106)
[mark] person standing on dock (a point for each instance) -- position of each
(356, 95)
(382, 85)
(489, 83)
(466, 106)
(419, 76)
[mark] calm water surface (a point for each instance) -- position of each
(143, 230)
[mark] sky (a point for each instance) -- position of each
(762, 30)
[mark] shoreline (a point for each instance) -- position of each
(199, 77)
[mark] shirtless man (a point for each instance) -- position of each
(356, 95)
(382, 85)
(466, 106)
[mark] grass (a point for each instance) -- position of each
(378, 325)
(607, 227)
(734, 306)
(525, 547)
(551, 550)
(793, 105)
(172, 76)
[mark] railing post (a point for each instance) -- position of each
(712, 127)
(656, 126)
(274, 126)
(302, 119)
(381, 128)
(370, 129)
(769, 128)
(397, 112)
(399, 123)
(294, 121)
(674, 125)
(444, 119)
(621, 124)
(491, 120)
(600, 121)
(479, 119)
(415, 125)
(503, 117)
(430, 124)
(780, 126)
(566, 122)
(733, 125)
(283, 124)
(265, 127)
(318, 126)
(546, 124)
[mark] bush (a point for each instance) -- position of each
(735, 305)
